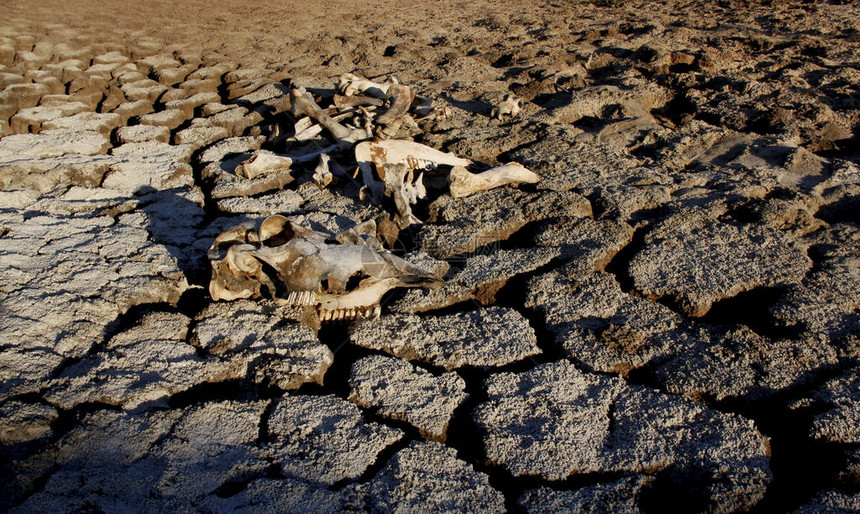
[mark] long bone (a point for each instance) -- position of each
(304, 105)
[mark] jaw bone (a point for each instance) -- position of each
(462, 183)
(304, 268)
(372, 155)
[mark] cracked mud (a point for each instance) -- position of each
(668, 319)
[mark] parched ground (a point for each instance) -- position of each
(669, 319)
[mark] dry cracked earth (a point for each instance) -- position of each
(668, 320)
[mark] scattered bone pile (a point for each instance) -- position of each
(577, 257)
(347, 281)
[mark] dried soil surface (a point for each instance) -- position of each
(668, 319)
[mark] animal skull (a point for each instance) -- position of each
(305, 268)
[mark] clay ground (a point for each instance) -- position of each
(667, 319)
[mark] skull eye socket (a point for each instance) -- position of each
(281, 238)
(276, 231)
(355, 279)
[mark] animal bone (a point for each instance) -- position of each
(463, 183)
(305, 129)
(403, 128)
(350, 85)
(343, 101)
(263, 162)
(509, 106)
(404, 190)
(322, 175)
(303, 104)
(365, 233)
(400, 98)
(301, 267)
(376, 154)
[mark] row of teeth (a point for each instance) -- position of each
(417, 164)
(342, 314)
(302, 298)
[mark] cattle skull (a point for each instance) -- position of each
(309, 269)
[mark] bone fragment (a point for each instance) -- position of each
(462, 183)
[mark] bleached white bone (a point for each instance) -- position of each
(263, 162)
(305, 129)
(309, 269)
(462, 183)
(350, 84)
(303, 104)
(372, 155)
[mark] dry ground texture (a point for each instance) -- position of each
(668, 319)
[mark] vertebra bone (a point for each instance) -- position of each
(322, 175)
